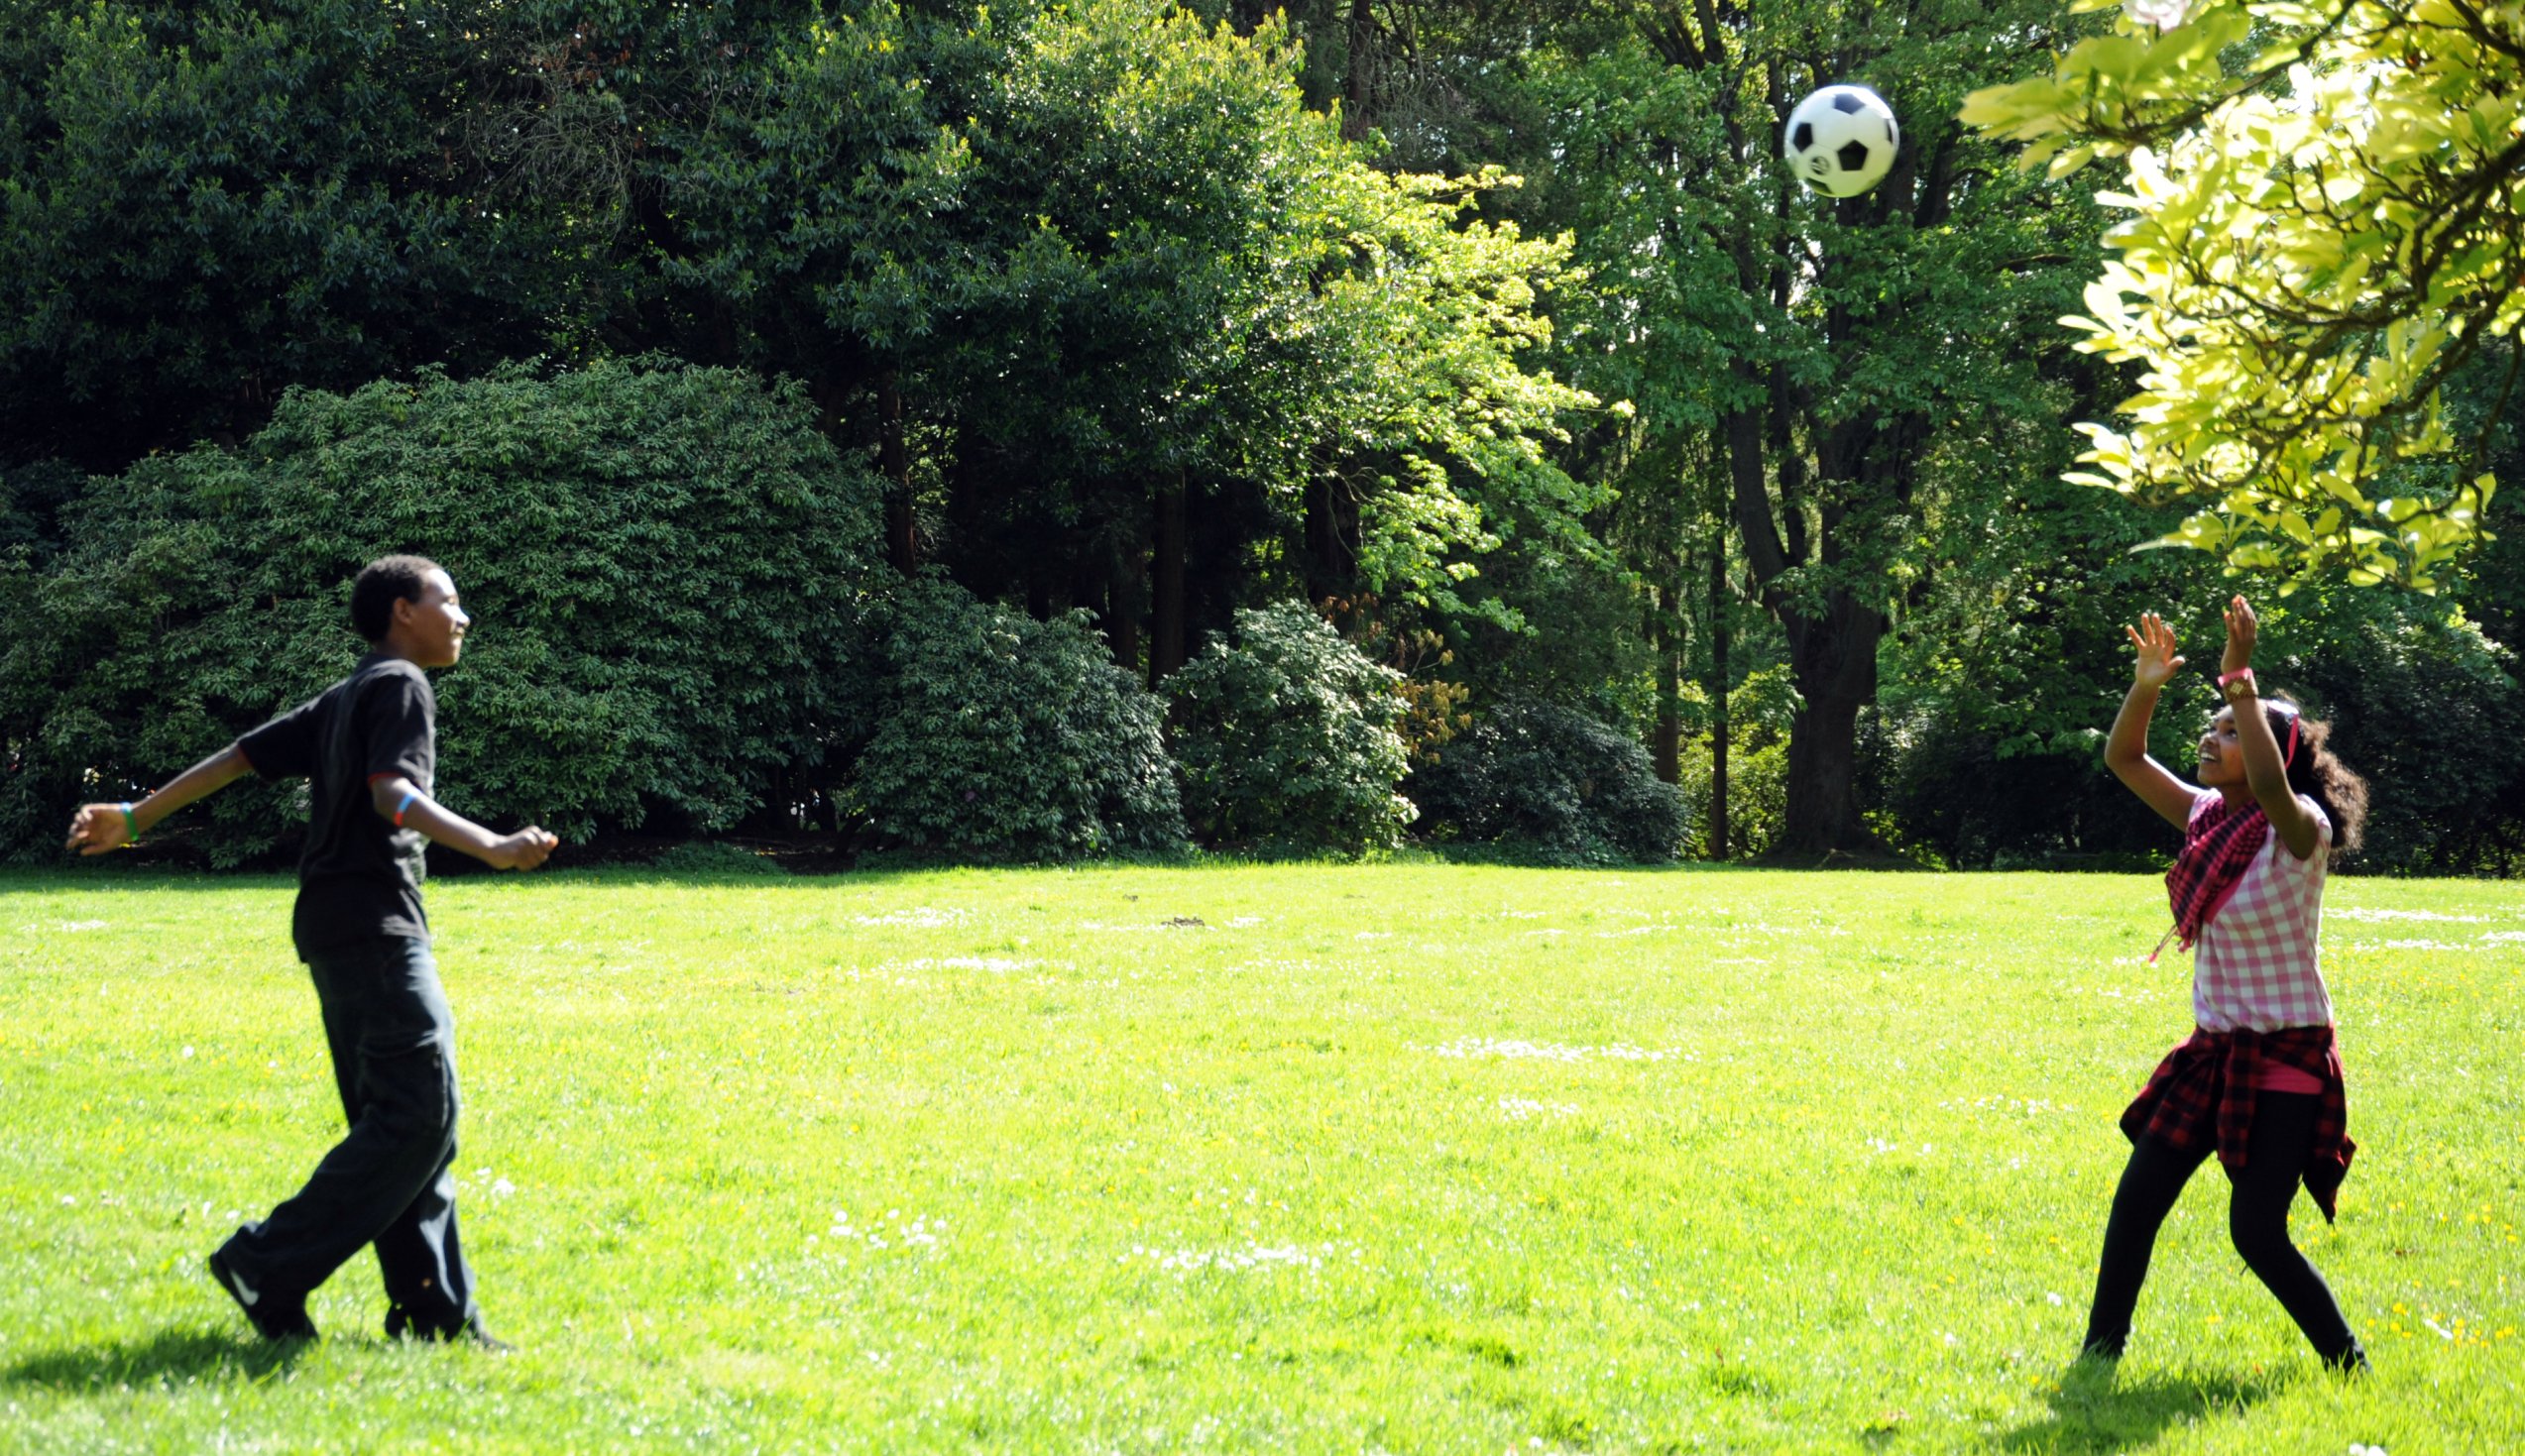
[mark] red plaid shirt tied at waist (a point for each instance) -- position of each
(2205, 1091)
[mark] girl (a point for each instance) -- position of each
(2259, 1081)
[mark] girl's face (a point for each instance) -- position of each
(2222, 755)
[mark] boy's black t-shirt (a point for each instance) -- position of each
(359, 876)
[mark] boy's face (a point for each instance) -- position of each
(431, 631)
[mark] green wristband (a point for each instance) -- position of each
(130, 827)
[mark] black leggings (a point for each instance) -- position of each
(2256, 1219)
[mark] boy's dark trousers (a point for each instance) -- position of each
(389, 1182)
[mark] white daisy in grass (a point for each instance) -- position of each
(890, 1232)
(996, 964)
(922, 917)
(1253, 1257)
(1520, 1109)
(1495, 1048)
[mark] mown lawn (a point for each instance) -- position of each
(1406, 1156)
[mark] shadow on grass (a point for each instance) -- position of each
(169, 1357)
(2095, 1412)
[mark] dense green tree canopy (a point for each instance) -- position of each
(1496, 335)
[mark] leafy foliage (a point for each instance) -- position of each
(2317, 240)
(204, 203)
(2427, 710)
(1574, 788)
(1004, 737)
(666, 565)
(1286, 738)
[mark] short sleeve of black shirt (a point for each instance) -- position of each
(287, 746)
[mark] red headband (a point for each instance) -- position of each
(2288, 755)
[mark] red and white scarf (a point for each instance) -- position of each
(2219, 845)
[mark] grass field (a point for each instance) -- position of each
(1404, 1157)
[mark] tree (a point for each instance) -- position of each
(1139, 306)
(1842, 365)
(2321, 235)
(203, 204)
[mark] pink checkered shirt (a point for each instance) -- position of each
(2254, 967)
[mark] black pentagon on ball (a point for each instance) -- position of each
(1848, 103)
(1803, 137)
(1854, 156)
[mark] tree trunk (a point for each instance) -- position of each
(1166, 616)
(1357, 81)
(1719, 638)
(1331, 524)
(894, 461)
(1834, 659)
(1832, 656)
(1123, 603)
(1666, 741)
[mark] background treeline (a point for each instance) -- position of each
(1046, 430)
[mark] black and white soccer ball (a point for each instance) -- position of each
(1841, 139)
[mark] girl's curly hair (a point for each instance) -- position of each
(2312, 771)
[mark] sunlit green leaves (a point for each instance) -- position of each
(2316, 243)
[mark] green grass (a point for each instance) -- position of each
(1411, 1157)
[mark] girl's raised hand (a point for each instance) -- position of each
(2243, 627)
(2158, 661)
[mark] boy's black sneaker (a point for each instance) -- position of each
(274, 1315)
(400, 1326)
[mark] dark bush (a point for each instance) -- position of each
(2429, 713)
(1563, 786)
(1286, 738)
(665, 564)
(1005, 736)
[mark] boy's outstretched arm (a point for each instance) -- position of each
(99, 828)
(396, 794)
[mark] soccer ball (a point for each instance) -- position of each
(1841, 139)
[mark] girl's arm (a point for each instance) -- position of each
(98, 828)
(2126, 751)
(2265, 771)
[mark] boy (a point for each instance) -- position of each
(368, 746)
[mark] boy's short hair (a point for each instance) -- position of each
(383, 583)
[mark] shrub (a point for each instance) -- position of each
(2428, 712)
(1286, 738)
(1757, 795)
(715, 860)
(666, 565)
(1566, 787)
(1005, 736)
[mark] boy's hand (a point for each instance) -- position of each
(525, 850)
(100, 829)
(2158, 662)
(2242, 628)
